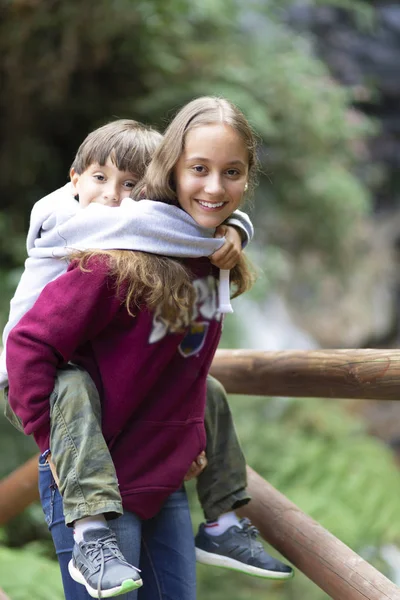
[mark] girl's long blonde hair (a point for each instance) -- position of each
(161, 283)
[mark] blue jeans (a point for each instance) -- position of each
(163, 547)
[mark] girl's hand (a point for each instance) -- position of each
(196, 467)
(227, 256)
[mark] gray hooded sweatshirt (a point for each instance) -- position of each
(58, 226)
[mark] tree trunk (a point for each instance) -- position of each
(19, 490)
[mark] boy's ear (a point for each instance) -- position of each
(74, 179)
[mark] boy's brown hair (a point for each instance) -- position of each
(129, 144)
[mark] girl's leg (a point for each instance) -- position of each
(167, 558)
(62, 535)
(128, 530)
(128, 534)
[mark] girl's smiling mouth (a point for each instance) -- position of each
(210, 205)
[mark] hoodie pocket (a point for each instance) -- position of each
(154, 455)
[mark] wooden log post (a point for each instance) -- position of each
(19, 490)
(329, 563)
(369, 374)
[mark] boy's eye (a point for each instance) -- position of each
(99, 177)
(129, 184)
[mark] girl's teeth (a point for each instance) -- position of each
(211, 205)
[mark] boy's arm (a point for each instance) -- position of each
(242, 222)
(37, 273)
(146, 225)
(228, 255)
(69, 311)
(41, 266)
(237, 230)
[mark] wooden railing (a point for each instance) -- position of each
(335, 568)
(369, 374)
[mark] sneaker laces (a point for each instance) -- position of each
(248, 530)
(96, 552)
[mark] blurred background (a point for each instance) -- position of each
(320, 84)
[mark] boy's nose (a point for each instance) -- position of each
(111, 193)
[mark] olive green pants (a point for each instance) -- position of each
(88, 482)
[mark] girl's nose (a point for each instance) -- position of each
(213, 186)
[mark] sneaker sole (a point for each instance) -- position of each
(126, 586)
(217, 560)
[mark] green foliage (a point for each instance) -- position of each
(144, 59)
(25, 575)
(322, 459)
(318, 456)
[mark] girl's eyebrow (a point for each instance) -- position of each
(201, 159)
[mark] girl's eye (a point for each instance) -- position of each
(198, 168)
(233, 172)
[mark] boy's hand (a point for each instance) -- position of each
(227, 256)
(196, 467)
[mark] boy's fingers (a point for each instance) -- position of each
(190, 474)
(225, 249)
(197, 466)
(226, 262)
(220, 231)
(202, 460)
(221, 255)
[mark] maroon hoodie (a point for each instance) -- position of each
(152, 383)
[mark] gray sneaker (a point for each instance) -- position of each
(97, 563)
(239, 549)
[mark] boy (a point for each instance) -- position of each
(106, 168)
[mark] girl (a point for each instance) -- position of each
(146, 329)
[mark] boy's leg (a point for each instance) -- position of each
(224, 540)
(221, 487)
(88, 485)
(87, 479)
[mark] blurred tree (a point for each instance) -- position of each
(66, 68)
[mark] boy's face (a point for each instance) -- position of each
(102, 184)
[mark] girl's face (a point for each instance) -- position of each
(211, 173)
